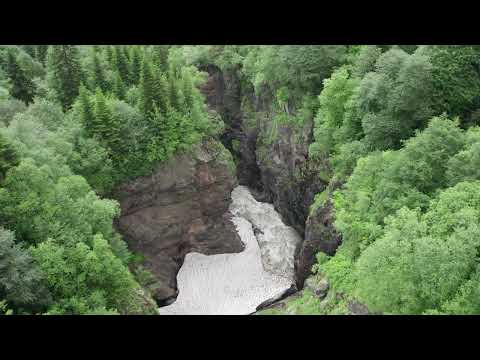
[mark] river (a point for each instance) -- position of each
(235, 284)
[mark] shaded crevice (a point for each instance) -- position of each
(223, 93)
(290, 182)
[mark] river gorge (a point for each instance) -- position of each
(237, 283)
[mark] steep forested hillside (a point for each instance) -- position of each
(76, 121)
(372, 153)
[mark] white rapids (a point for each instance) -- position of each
(235, 284)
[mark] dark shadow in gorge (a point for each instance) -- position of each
(223, 93)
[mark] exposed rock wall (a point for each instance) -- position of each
(290, 182)
(180, 208)
(223, 93)
(272, 160)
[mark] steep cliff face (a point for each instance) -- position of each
(320, 235)
(182, 207)
(272, 160)
(223, 93)
(290, 182)
(275, 167)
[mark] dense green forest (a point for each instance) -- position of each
(395, 126)
(75, 122)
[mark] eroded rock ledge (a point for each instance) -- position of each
(182, 207)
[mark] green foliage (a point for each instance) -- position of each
(41, 53)
(339, 272)
(346, 157)
(121, 62)
(64, 73)
(307, 304)
(365, 60)
(147, 89)
(136, 65)
(319, 200)
(382, 183)
(98, 77)
(395, 99)
(38, 206)
(87, 115)
(22, 86)
(422, 261)
(465, 165)
(85, 279)
(330, 119)
(4, 310)
(408, 239)
(160, 57)
(299, 68)
(408, 211)
(8, 109)
(8, 157)
(106, 127)
(21, 281)
(119, 87)
(456, 80)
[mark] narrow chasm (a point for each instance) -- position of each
(222, 228)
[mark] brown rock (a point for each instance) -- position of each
(182, 207)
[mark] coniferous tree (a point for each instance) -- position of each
(29, 49)
(147, 89)
(99, 78)
(126, 53)
(160, 57)
(118, 86)
(109, 52)
(136, 65)
(22, 87)
(187, 90)
(103, 116)
(8, 157)
(161, 93)
(41, 53)
(87, 111)
(173, 92)
(21, 281)
(65, 73)
(107, 127)
(121, 63)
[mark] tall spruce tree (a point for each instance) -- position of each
(29, 49)
(103, 117)
(173, 92)
(8, 157)
(187, 90)
(161, 93)
(41, 53)
(121, 63)
(160, 57)
(136, 65)
(87, 110)
(147, 89)
(22, 87)
(107, 127)
(109, 53)
(118, 86)
(99, 79)
(64, 73)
